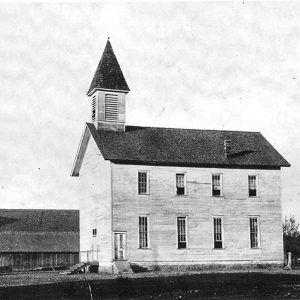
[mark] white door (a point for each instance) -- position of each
(120, 245)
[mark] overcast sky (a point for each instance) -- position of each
(232, 66)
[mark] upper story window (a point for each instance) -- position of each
(218, 233)
(143, 232)
(253, 185)
(143, 182)
(94, 231)
(93, 104)
(181, 232)
(111, 107)
(180, 184)
(254, 238)
(217, 184)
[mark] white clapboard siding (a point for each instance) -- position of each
(199, 207)
(95, 206)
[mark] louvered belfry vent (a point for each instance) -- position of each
(93, 104)
(111, 107)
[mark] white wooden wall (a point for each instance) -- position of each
(95, 205)
(163, 207)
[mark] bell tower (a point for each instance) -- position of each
(107, 93)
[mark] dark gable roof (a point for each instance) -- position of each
(39, 230)
(172, 146)
(108, 74)
(39, 220)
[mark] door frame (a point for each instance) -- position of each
(125, 245)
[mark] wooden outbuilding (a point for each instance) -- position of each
(33, 238)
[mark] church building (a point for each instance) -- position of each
(154, 196)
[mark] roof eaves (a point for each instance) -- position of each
(198, 165)
(93, 90)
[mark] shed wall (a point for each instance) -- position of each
(32, 260)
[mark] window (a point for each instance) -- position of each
(181, 232)
(143, 182)
(94, 231)
(93, 108)
(254, 232)
(111, 107)
(143, 232)
(218, 242)
(180, 184)
(217, 184)
(252, 185)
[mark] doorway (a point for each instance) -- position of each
(119, 245)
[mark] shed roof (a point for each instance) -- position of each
(170, 146)
(39, 230)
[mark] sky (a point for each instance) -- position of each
(223, 65)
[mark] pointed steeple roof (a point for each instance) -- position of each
(108, 74)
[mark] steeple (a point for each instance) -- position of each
(108, 75)
(107, 93)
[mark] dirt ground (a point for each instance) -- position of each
(37, 278)
(254, 284)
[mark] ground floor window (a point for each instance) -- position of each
(143, 232)
(181, 232)
(254, 232)
(218, 235)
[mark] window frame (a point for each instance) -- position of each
(222, 232)
(258, 231)
(94, 232)
(184, 182)
(147, 182)
(257, 185)
(148, 232)
(186, 232)
(221, 184)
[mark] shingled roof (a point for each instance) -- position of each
(39, 230)
(108, 74)
(172, 146)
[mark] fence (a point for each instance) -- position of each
(89, 256)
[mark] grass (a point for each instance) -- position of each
(258, 284)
